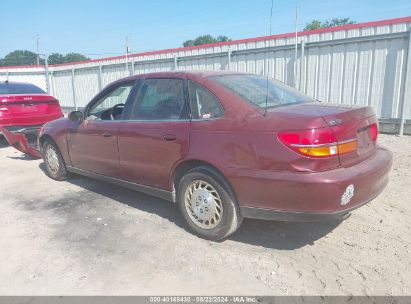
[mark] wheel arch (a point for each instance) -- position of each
(50, 138)
(189, 164)
(45, 137)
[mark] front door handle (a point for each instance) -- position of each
(106, 134)
(169, 137)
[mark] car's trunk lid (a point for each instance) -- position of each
(347, 122)
(28, 104)
(351, 123)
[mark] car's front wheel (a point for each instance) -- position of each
(55, 166)
(207, 204)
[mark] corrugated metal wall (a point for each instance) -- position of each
(363, 64)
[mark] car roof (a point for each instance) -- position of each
(7, 82)
(19, 88)
(179, 73)
(201, 73)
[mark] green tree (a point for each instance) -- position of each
(24, 57)
(338, 22)
(20, 57)
(313, 25)
(317, 24)
(74, 57)
(56, 58)
(205, 39)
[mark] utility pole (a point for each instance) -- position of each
(127, 52)
(37, 49)
(46, 62)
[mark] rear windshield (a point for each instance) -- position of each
(19, 88)
(257, 90)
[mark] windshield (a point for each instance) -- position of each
(19, 88)
(257, 91)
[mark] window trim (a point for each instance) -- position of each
(189, 101)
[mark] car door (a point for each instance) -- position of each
(92, 142)
(155, 135)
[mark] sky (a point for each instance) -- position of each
(99, 28)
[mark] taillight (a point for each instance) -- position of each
(53, 102)
(373, 131)
(316, 142)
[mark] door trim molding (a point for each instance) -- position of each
(160, 193)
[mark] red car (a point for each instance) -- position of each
(25, 107)
(223, 146)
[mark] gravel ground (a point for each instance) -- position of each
(87, 237)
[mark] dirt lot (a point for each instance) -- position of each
(87, 237)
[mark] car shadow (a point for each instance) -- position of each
(126, 196)
(268, 234)
(282, 235)
(23, 157)
(20, 156)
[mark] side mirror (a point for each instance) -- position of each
(75, 115)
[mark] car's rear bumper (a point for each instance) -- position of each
(22, 129)
(20, 142)
(293, 196)
(294, 216)
(27, 124)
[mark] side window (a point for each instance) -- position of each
(160, 99)
(104, 108)
(204, 105)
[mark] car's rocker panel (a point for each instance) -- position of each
(160, 193)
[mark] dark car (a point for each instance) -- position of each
(223, 146)
(25, 107)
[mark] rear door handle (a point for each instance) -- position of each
(169, 137)
(106, 134)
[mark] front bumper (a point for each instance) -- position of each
(294, 196)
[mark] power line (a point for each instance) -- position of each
(271, 15)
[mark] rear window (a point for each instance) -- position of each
(257, 90)
(19, 88)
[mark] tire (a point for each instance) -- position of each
(55, 166)
(217, 215)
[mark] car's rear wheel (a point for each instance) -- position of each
(55, 166)
(207, 204)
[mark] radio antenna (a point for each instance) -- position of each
(266, 89)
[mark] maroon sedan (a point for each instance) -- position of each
(223, 146)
